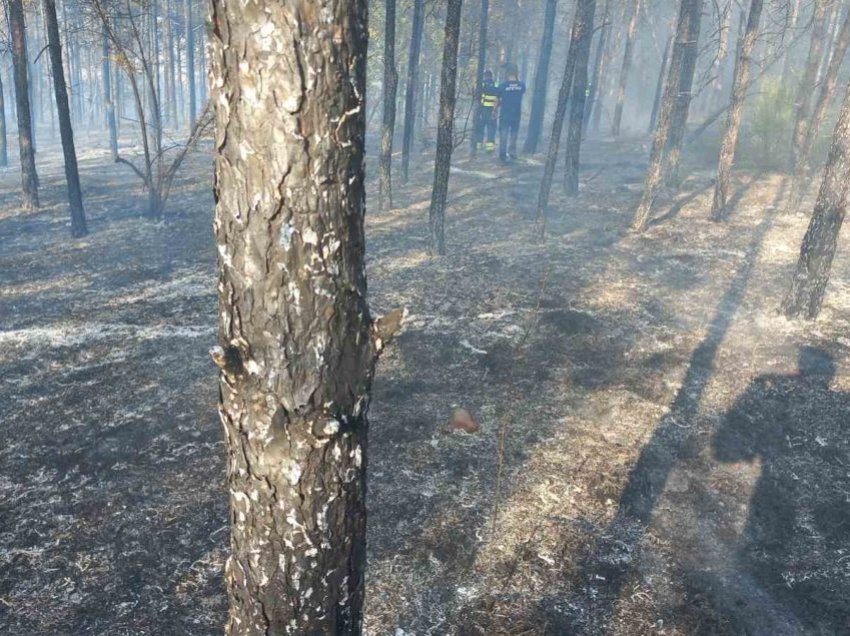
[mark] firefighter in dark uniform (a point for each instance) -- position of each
(510, 112)
(488, 96)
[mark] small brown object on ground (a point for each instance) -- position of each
(462, 420)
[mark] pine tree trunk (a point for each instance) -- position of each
(412, 85)
(445, 128)
(736, 107)
(581, 30)
(298, 345)
(807, 82)
(682, 106)
(598, 74)
(624, 70)
(659, 85)
(604, 79)
(827, 90)
(578, 97)
(665, 117)
(17, 33)
(385, 189)
(190, 62)
(541, 80)
(4, 148)
(808, 284)
(479, 69)
(170, 92)
(72, 175)
(108, 100)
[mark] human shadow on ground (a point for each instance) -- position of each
(791, 567)
(611, 563)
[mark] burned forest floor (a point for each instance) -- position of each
(660, 451)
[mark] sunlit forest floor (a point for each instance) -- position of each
(654, 458)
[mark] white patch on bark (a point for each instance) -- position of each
(292, 472)
(286, 232)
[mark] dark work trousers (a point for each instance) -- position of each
(485, 124)
(508, 130)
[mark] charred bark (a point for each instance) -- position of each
(807, 82)
(412, 85)
(627, 65)
(385, 191)
(72, 175)
(297, 344)
(541, 80)
(581, 29)
(654, 173)
(736, 107)
(682, 106)
(578, 97)
(445, 128)
(29, 176)
(805, 297)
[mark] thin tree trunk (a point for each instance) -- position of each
(170, 92)
(827, 90)
(72, 175)
(202, 50)
(385, 188)
(541, 80)
(190, 62)
(807, 82)
(29, 176)
(805, 297)
(578, 98)
(298, 345)
(445, 128)
(479, 69)
(687, 9)
(581, 30)
(736, 107)
(412, 85)
(598, 66)
(4, 148)
(107, 99)
(624, 70)
(659, 86)
(682, 107)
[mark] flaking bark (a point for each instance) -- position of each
(297, 343)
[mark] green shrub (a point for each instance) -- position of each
(770, 123)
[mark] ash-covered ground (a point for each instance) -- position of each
(661, 452)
